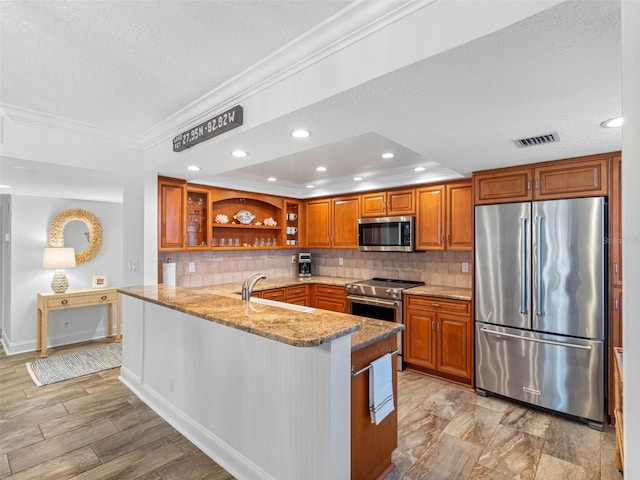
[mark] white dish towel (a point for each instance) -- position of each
(380, 389)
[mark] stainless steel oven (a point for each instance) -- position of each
(379, 298)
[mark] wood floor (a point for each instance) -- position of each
(93, 428)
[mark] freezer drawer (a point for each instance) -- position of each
(556, 372)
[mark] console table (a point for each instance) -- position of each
(74, 299)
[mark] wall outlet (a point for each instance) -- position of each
(192, 267)
(293, 259)
(67, 325)
(465, 267)
(340, 261)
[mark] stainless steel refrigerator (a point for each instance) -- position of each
(540, 304)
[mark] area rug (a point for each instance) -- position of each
(57, 368)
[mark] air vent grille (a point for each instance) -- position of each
(539, 140)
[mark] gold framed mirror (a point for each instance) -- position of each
(83, 229)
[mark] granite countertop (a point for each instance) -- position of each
(222, 304)
(454, 293)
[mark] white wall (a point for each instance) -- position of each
(631, 230)
(31, 217)
(5, 263)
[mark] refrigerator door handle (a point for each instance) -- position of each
(538, 340)
(539, 311)
(523, 267)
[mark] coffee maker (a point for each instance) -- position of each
(304, 264)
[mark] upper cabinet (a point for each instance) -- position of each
(171, 214)
(391, 203)
(198, 221)
(575, 177)
(333, 222)
(444, 217)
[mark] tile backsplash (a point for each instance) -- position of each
(213, 268)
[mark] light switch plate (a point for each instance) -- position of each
(192, 267)
(465, 267)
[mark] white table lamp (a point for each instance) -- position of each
(59, 258)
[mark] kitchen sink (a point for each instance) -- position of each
(287, 306)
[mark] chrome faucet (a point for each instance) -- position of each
(249, 283)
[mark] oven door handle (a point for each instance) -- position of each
(374, 301)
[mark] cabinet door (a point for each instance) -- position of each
(430, 218)
(374, 204)
(502, 187)
(459, 217)
(419, 338)
(401, 202)
(319, 224)
(615, 340)
(615, 236)
(346, 211)
(198, 221)
(171, 214)
(454, 345)
(277, 294)
(573, 179)
(330, 297)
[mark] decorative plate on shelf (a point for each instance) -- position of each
(244, 216)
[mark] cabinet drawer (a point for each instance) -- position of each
(297, 291)
(330, 290)
(274, 294)
(438, 304)
(64, 301)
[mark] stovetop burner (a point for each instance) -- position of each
(381, 287)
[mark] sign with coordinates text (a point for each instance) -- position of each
(219, 124)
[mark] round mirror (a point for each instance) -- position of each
(79, 229)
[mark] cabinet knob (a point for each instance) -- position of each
(437, 305)
(103, 297)
(64, 302)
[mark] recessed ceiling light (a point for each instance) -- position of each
(239, 153)
(5, 186)
(311, 186)
(193, 168)
(300, 133)
(321, 169)
(419, 169)
(612, 122)
(357, 179)
(271, 179)
(388, 155)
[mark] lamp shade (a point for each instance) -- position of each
(59, 258)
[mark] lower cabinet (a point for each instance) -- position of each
(330, 297)
(438, 337)
(296, 294)
(371, 444)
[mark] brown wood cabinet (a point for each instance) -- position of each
(444, 217)
(574, 177)
(615, 340)
(277, 294)
(198, 218)
(615, 222)
(330, 297)
(298, 295)
(438, 337)
(389, 203)
(171, 214)
(371, 444)
(332, 222)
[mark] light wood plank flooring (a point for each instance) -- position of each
(93, 428)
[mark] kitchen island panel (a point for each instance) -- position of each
(260, 408)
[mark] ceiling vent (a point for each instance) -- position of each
(539, 140)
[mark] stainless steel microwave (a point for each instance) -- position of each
(386, 234)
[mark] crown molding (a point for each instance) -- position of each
(31, 118)
(348, 26)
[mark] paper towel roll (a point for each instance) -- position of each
(169, 273)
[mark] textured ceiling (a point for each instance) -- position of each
(454, 113)
(127, 65)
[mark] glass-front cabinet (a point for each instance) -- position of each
(293, 223)
(198, 217)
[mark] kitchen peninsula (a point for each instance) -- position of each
(263, 390)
